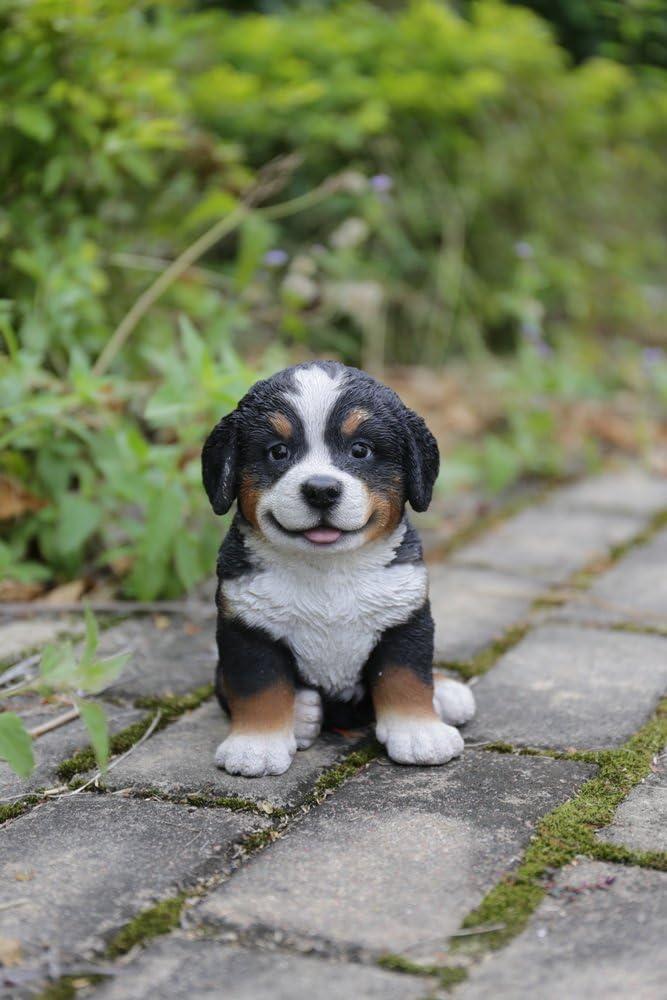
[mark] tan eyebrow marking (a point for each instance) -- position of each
(353, 420)
(281, 424)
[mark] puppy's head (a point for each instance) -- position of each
(321, 457)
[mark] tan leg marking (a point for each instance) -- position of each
(261, 739)
(398, 691)
(268, 711)
(407, 722)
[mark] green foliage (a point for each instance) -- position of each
(452, 183)
(507, 164)
(158, 919)
(630, 32)
(15, 744)
(62, 671)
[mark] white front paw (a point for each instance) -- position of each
(453, 701)
(307, 717)
(256, 754)
(419, 741)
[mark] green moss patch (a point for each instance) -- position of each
(569, 831)
(447, 975)
(171, 708)
(479, 664)
(346, 769)
(12, 810)
(158, 919)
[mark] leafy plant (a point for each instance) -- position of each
(194, 196)
(63, 672)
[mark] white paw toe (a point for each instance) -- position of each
(418, 741)
(256, 754)
(453, 701)
(307, 717)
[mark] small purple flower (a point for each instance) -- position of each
(382, 183)
(276, 258)
(543, 349)
(524, 250)
(530, 331)
(652, 356)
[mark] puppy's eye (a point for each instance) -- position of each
(359, 449)
(278, 452)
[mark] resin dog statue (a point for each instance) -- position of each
(323, 612)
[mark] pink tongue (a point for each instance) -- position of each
(323, 536)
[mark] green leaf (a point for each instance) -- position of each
(92, 638)
(58, 666)
(100, 673)
(186, 559)
(95, 722)
(78, 520)
(15, 744)
(33, 121)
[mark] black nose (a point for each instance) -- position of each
(322, 491)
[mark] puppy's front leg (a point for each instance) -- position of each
(400, 675)
(255, 682)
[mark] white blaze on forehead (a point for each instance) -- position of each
(313, 401)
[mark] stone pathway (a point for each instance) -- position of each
(535, 866)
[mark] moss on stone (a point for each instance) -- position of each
(174, 705)
(569, 831)
(66, 987)
(483, 662)
(63, 989)
(156, 920)
(171, 707)
(447, 975)
(12, 810)
(341, 772)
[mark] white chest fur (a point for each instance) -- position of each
(330, 613)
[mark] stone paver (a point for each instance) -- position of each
(55, 746)
(178, 969)
(566, 686)
(474, 607)
(630, 490)
(395, 857)
(179, 760)
(634, 591)
(601, 934)
(398, 856)
(172, 659)
(86, 864)
(550, 542)
(19, 639)
(641, 821)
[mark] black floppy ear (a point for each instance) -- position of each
(219, 463)
(422, 461)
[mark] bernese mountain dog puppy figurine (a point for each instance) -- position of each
(323, 612)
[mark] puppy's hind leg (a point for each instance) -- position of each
(453, 701)
(307, 717)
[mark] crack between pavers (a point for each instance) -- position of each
(167, 914)
(554, 596)
(581, 580)
(468, 533)
(564, 834)
(491, 654)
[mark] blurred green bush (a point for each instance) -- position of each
(497, 148)
(452, 184)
